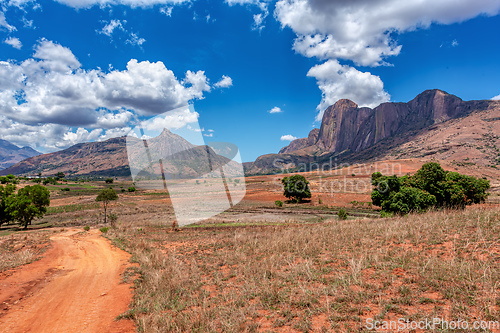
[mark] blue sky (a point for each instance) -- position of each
(85, 70)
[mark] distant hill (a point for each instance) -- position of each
(434, 124)
(109, 159)
(10, 154)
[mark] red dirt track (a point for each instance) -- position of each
(75, 287)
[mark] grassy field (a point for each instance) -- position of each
(326, 277)
(261, 268)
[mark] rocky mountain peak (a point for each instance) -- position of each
(347, 127)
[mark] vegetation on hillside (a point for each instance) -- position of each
(431, 186)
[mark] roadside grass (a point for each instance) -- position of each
(321, 277)
(18, 249)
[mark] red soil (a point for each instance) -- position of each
(75, 287)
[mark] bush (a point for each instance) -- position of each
(66, 189)
(296, 188)
(104, 229)
(112, 219)
(386, 214)
(109, 181)
(430, 186)
(342, 214)
(278, 203)
(86, 228)
(131, 189)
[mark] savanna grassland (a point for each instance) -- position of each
(296, 268)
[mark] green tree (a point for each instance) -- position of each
(409, 199)
(30, 202)
(5, 192)
(430, 178)
(430, 186)
(106, 196)
(60, 175)
(109, 180)
(296, 187)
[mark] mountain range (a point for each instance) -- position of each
(181, 159)
(10, 154)
(434, 125)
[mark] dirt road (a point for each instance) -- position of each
(75, 287)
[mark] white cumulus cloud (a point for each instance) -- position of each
(134, 39)
(173, 120)
(364, 31)
(111, 26)
(224, 82)
(4, 24)
(14, 42)
(275, 110)
(49, 95)
(130, 3)
(288, 137)
(360, 30)
(336, 82)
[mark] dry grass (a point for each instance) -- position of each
(324, 277)
(22, 248)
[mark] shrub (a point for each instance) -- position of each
(342, 214)
(278, 203)
(66, 189)
(109, 180)
(430, 186)
(296, 188)
(104, 229)
(112, 219)
(386, 214)
(86, 228)
(131, 189)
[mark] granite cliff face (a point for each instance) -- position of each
(345, 126)
(301, 143)
(346, 129)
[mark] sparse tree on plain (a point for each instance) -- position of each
(106, 196)
(296, 188)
